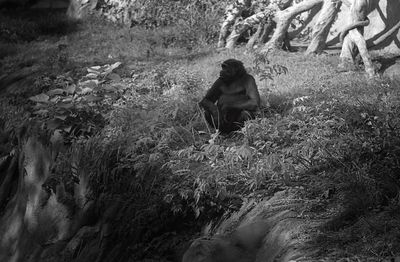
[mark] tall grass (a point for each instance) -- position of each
(326, 131)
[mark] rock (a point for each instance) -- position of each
(52, 252)
(264, 232)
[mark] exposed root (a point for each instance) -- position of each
(352, 26)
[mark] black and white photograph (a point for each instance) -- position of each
(199, 130)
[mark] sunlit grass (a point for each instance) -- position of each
(166, 123)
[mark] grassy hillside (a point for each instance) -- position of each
(330, 138)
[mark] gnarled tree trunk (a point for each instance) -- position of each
(385, 36)
(264, 15)
(257, 35)
(284, 19)
(233, 11)
(263, 33)
(240, 28)
(354, 37)
(322, 26)
(79, 9)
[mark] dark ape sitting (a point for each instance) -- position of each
(232, 99)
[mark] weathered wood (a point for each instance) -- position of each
(385, 36)
(284, 18)
(256, 36)
(243, 26)
(357, 24)
(268, 28)
(358, 12)
(263, 14)
(321, 29)
(232, 12)
(79, 9)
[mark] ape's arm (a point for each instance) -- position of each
(213, 94)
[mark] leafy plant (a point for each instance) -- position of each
(263, 68)
(74, 109)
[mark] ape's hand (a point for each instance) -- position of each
(207, 105)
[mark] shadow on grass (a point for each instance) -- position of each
(359, 181)
(387, 62)
(25, 25)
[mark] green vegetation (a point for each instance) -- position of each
(137, 133)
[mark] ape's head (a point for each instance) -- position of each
(231, 69)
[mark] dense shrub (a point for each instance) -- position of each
(192, 21)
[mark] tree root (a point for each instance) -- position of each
(352, 26)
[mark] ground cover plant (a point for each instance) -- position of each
(124, 105)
